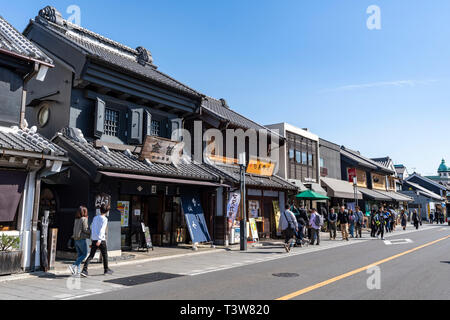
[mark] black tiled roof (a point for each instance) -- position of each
(28, 140)
(118, 161)
(232, 173)
(13, 41)
(112, 52)
(223, 112)
(363, 161)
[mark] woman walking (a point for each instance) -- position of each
(81, 233)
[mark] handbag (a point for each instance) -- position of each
(71, 243)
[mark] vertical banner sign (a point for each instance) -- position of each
(351, 172)
(195, 218)
(276, 213)
(253, 229)
(124, 208)
(52, 248)
(233, 207)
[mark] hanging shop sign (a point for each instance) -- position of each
(378, 181)
(101, 199)
(253, 208)
(161, 150)
(195, 218)
(124, 209)
(260, 167)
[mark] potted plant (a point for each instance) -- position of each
(10, 255)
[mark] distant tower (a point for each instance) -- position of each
(443, 170)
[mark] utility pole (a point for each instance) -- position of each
(243, 165)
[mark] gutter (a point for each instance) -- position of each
(40, 156)
(20, 56)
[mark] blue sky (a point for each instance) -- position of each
(313, 64)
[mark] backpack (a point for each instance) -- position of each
(318, 220)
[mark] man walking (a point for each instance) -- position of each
(381, 222)
(359, 218)
(343, 221)
(98, 237)
(415, 218)
(289, 226)
(316, 223)
(332, 221)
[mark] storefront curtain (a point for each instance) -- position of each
(11, 190)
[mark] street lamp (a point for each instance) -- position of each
(242, 166)
(355, 188)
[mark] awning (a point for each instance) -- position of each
(374, 195)
(160, 179)
(340, 189)
(11, 189)
(396, 196)
(316, 188)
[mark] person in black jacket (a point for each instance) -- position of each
(343, 221)
(324, 214)
(332, 222)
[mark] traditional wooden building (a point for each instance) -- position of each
(26, 157)
(117, 115)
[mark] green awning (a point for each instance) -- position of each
(311, 195)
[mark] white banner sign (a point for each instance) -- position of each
(233, 206)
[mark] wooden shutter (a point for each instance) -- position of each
(136, 120)
(166, 128)
(99, 118)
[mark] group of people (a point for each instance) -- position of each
(97, 233)
(438, 217)
(300, 226)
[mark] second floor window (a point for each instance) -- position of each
(111, 127)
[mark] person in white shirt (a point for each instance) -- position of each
(289, 226)
(98, 237)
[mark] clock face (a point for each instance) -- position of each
(43, 115)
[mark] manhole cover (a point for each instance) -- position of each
(144, 278)
(286, 275)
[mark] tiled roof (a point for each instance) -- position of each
(28, 140)
(13, 41)
(363, 161)
(138, 61)
(232, 173)
(114, 160)
(222, 111)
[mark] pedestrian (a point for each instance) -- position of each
(373, 224)
(332, 222)
(300, 235)
(343, 221)
(359, 221)
(289, 226)
(387, 219)
(324, 214)
(432, 216)
(415, 219)
(81, 233)
(98, 237)
(316, 222)
(351, 223)
(404, 218)
(380, 219)
(442, 217)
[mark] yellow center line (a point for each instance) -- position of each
(351, 273)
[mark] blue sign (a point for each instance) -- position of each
(195, 218)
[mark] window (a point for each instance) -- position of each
(310, 159)
(291, 153)
(322, 163)
(297, 156)
(155, 128)
(111, 126)
(304, 158)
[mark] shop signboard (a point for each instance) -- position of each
(195, 218)
(101, 199)
(161, 150)
(253, 208)
(124, 208)
(276, 213)
(253, 229)
(351, 172)
(52, 241)
(260, 167)
(147, 237)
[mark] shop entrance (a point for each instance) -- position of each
(161, 213)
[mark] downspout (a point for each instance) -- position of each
(34, 221)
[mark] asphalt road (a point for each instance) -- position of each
(418, 268)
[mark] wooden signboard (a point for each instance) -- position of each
(160, 150)
(259, 167)
(52, 241)
(147, 237)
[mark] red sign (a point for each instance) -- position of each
(351, 172)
